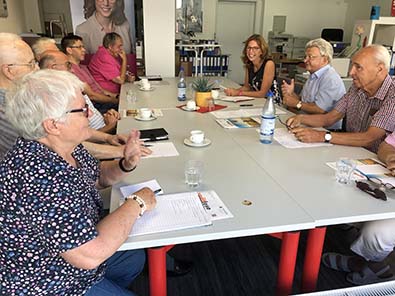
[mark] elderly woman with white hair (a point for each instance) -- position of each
(53, 240)
(323, 88)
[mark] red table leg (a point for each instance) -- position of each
(312, 258)
(286, 267)
(157, 270)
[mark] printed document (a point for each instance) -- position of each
(166, 149)
(242, 113)
(172, 212)
(288, 140)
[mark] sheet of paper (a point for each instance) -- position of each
(213, 205)
(242, 113)
(369, 167)
(235, 99)
(288, 140)
(172, 212)
(242, 122)
(159, 149)
(129, 189)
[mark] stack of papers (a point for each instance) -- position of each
(178, 211)
(288, 140)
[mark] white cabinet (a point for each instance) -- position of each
(381, 31)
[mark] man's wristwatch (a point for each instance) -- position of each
(328, 137)
(299, 105)
(140, 201)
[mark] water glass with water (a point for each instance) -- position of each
(193, 173)
(344, 170)
(131, 96)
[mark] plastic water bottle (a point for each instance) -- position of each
(181, 86)
(268, 120)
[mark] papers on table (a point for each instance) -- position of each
(235, 99)
(213, 205)
(242, 122)
(288, 140)
(181, 211)
(130, 189)
(248, 112)
(166, 149)
(369, 167)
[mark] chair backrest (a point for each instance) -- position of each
(132, 63)
(332, 34)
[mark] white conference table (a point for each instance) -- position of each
(234, 175)
(303, 173)
(228, 170)
(276, 179)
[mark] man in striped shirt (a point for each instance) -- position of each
(367, 107)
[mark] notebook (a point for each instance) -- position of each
(156, 134)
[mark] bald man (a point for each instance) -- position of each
(17, 60)
(42, 45)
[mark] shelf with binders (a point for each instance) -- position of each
(211, 65)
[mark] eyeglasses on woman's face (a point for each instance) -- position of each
(84, 110)
(253, 48)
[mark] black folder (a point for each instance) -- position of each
(156, 134)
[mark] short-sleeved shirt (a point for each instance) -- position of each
(47, 207)
(8, 134)
(390, 139)
(324, 88)
(92, 34)
(362, 111)
(82, 72)
(96, 121)
(104, 68)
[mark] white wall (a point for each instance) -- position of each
(15, 22)
(32, 16)
(306, 18)
(159, 37)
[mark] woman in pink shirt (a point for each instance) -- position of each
(108, 65)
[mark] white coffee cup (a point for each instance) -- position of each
(144, 81)
(145, 113)
(147, 86)
(191, 105)
(197, 136)
(215, 94)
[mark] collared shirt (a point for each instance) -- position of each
(390, 139)
(104, 68)
(8, 134)
(47, 207)
(82, 72)
(92, 34)
(324, 88)
(362, 111)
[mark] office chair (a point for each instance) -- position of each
(332, 34)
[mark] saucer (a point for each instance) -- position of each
(143, 89)
(205, 143)
(190, 110)
(138, 117)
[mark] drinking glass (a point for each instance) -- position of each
(344, 169)
(131, 96)
(193, 173)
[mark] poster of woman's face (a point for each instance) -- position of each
(92, 19)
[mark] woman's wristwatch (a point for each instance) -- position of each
(140, 201)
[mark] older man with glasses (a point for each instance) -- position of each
(323, 88)
(16, 60)
(367, 107)
(57, 60)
